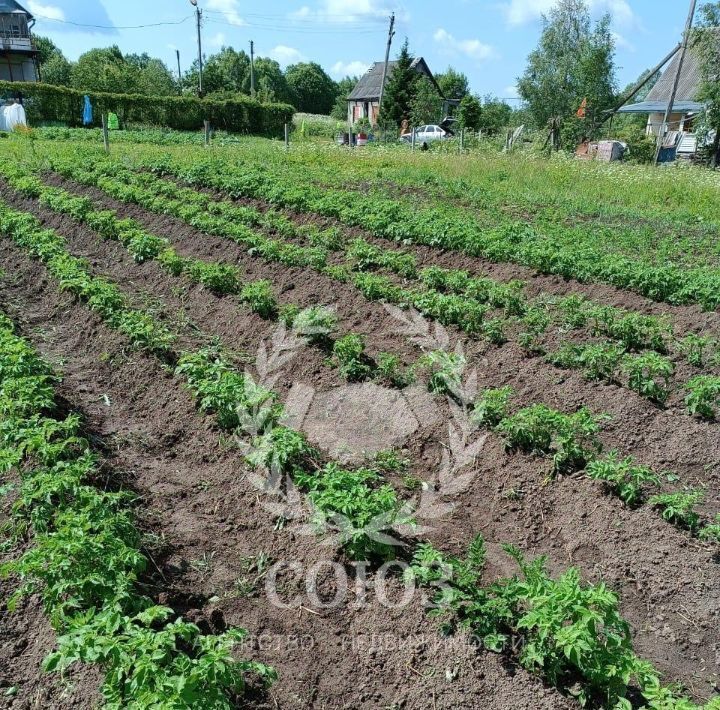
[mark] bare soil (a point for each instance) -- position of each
(196, 493)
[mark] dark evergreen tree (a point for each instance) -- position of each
(400, 90)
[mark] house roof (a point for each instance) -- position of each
(688, 86)
(369, 85)
(687, 90)
(10, 6)
(660, 106)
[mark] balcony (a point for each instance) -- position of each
(16, 44)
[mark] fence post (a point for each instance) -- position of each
(462, 140)
(207, 132)
(412, 139)
(106, 137)
(287, 136)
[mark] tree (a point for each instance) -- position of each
(426, 105)
(46, 48)
(312, 90)
(270, 82)
(573, 62)
(105, 70)
(496, 115)
(54, 67)
(399, 89)
(344, 87)
(470, 112)
(226, 71)
(453, 84)
(706, 45)
(56, 70)
(153, 77)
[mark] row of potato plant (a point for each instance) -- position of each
(633, 330)
(217, 386)
(348, 354)
(150, 656)
(580, 633)
(524, 431)
(455, 230)
(316, 322)
(645, 372)
(572, 442)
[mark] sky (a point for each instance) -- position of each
(488, 40)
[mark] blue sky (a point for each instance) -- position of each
(487, 39)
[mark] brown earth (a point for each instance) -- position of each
(207, 523)
(668, 581)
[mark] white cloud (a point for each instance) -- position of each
(302, 13)
(341, 11)
(622, 43)
(229, 8)
(472, 48)
(51, 12)
(510, 92)
(342, 69)
(520, 12)
(286, 55)
(217, 40)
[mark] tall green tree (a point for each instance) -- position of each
(706, 45)
(399, 89)
(312, 90)
(426, 104)
(573, 61)
(54, 67)
(105, 69)
(153, 76)
(453, 84)
(225, 71)
(470, 112)
(270, 82)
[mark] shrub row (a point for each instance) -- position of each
(45, 102)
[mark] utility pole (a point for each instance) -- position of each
(252, 69)
(198, 16)
(683, 51)
(177, 54)
(391, 33)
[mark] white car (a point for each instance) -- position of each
(425, 134)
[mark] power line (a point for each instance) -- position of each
(297, 30)
(112, 27)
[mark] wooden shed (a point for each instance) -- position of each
(364, 99)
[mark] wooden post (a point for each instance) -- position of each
(462, 140)
(287, 136)
(106, 137)
(206, 123)
(412, 139)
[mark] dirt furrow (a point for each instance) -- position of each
(656, 568)
(213, 523)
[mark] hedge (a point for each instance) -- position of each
(45, 102)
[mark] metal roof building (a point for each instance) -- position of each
(687, 91)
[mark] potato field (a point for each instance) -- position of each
(334, 428)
